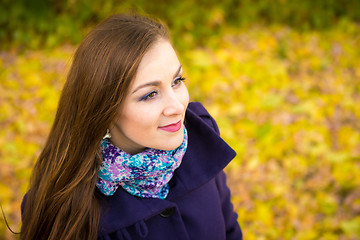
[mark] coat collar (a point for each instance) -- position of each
(207, 152)
(206, 156)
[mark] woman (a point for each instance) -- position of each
(157, 172)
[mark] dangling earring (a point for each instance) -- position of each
(107, 135)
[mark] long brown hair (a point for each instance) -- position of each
(62, 201)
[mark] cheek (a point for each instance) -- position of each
(185, 97)
(142, 118)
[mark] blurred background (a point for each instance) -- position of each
(281, 77)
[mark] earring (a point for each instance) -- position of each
(107, 135)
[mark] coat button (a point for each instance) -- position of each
(167, 212)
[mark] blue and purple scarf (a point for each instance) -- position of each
(146, 174)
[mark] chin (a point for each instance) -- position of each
(171, 145)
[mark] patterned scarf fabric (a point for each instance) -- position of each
(145, 174)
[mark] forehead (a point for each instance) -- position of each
(159, 62)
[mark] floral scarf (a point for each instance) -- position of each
(145, 174)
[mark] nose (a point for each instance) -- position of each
(173, 104)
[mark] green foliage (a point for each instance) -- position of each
(38, 23)
(285, 99)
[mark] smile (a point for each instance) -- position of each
(172, 127)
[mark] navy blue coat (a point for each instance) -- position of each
(198, 205)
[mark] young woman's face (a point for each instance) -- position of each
(153, 112)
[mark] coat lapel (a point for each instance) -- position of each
(206, 156)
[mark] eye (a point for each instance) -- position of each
(178, 81)
(149, 96)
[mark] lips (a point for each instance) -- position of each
(172, 127)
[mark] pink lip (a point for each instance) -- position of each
(172, 127)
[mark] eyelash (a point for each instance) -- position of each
(180, 79)
(152, 94)
(148, 96)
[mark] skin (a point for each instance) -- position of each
(157, 97)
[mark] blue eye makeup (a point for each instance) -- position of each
(148, 96)
(177, 81)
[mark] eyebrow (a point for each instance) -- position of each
(156, 83)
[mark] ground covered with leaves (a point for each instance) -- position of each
(287, 101)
